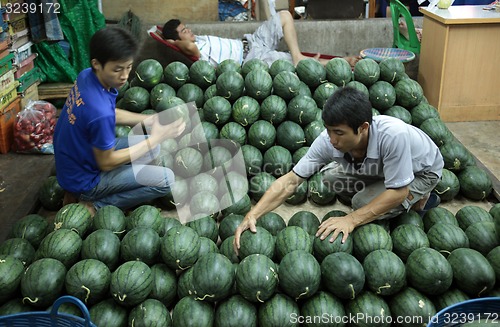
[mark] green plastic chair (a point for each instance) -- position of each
(399, 40)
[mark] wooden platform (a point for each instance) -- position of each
(54, 90)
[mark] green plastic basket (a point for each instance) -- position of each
(50, 318)
(476, 312)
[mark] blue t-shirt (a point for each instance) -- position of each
(87, 120)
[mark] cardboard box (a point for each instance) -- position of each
(19, 24)
(7, 99)
(7, 81)
(21, 53)
(31, 93)
(6, 63)
(28, 79)
(25, 66)
(7, 122)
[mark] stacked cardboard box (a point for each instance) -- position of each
(19, 78)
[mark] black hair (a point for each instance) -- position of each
(112, 44)
(170, 29)
(347, 106)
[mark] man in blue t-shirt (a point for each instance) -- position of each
(91, 163)
(381, 164)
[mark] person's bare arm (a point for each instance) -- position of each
(125, 117)
(187, 47)
(387, 200)
(110, 159)
(279, 191)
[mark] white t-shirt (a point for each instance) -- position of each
(217, 49)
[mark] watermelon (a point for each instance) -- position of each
(279, 310)
(385, 272)
(299, 195)
(122, 90)
(400, 113)
(204, 182)
(217, 157)
(320, 193)
(321, 309)
(273, 109)
(102, 245)
(62, 244)
(188, 162)
(290, 135)
(227, 65)
(228, 225)
(171, 109)
(322, 248)
(152, 313)
(407, 238)
(232, 203)
(43, 282)
(108, 313)
(306, 220)
(204, 204)
(185, 284)
(311, 72)
(422, 112)
(272, 222)
(277, 161)
(245, 110)
(51, 194)
(304, 89)
(410, 217)
(149, 73)
(207, 246)
(164, 284)
(261, 136)
(366, 71)
(213, 277)
(210, 92)
(234, 132)
(11, 272)
(238, 309)
(159, 92)
(259, 183)
(73, 216)
(410, 306)
(370, 308)
(359, 86)
(408, 93)
(301, 110)
(258, 84)
(226, 248)
(475, 183)
(286, 85)
(217, 110)
(251, 154)
(280, 65)
(292, 238)
(446, 237)
(299, 274)
(298, 154)
(234, 182)
(230, 85)
(428, 271)
(482, 236)
(135, 99)
(382, 95)
(338, 71)
(202, 73)
(472, 272)
(448, 186)
(257, 278)
(32, 227)
(261, 242)
(131, 283)
(146, 216)
(450, 297)
(438, 215)
(88, 280)
(323, 92)
(252, 65)
(469, 214)
(142, 244)
(182, 314)
(368, 238)
(492, 257)
(204, 225)
(436, 129)
(456, 156)
(179, 247)
(190, 92)
(391, 70)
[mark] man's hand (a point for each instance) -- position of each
(247, 223)
(171, 130)
(337, 225)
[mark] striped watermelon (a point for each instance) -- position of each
(261, 242)
(385, 272)
(142, 244)
(301, 110)
(202, 73)
(182, 314)
(238, 309)
(323, 92)
(272, 222)
(446, 237)
(257, 278)
(32, 227)
(88, 280)
(251, 154)
(62, 244)
(273, 109)
(428, 271)
(410, 304)
(368, 238)
(151, 312)
(131, 283)
(108, 313)
(246, 110)
(290, 135)
(217, 110)
(286, 85)
(369, 307)
(407, 238)
(230, 85)
(111, 218)
(277, 161)
(258, 84)
(73, 216)
(164, 284)
(277, 311)
(11, 272)
(311, 72)
(102, 245)
(292, 238)
(179, 247)
(299, 274)
(213, 277)
(338, 71)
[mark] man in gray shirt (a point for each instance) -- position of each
(384, 165)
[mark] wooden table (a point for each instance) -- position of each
(459, 66)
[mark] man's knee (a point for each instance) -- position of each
(285, 17)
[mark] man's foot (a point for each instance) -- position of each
(90, 207)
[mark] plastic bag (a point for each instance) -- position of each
(34, 128)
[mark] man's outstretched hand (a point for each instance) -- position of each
(247, 223)
(337, 225)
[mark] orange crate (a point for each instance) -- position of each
(7, 122)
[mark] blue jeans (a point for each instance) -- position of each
(131, 184)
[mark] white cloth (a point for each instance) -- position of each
(216, 49)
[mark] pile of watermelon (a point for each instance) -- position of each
(274, 114)
(145, 269)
